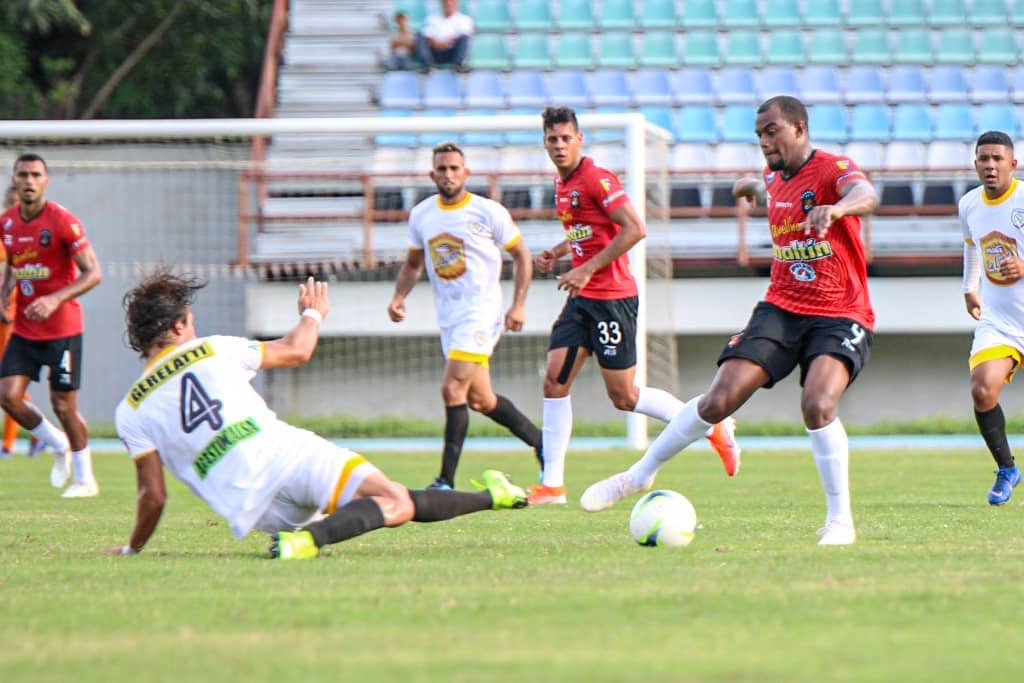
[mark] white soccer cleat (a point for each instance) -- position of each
(607, 492)
(82, 489)
(61, 470)
(837, 533)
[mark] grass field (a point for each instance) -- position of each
(931, 591)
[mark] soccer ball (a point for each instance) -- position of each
(663, 518)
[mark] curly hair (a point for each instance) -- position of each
(153, 306)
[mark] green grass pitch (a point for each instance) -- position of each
(931, 591)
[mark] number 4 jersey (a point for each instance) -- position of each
(194, 404)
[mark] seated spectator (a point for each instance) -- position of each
(445, 38)
(402, 44)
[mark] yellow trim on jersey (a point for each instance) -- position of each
(481, 358)
(969, 241)
(346, 473)
(513, 242)
(995, 353)
(1001, 198)
(148, 453)
(454, 207)
(415, 248)
(167, 371)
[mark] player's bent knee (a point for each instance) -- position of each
(396, 505)
(713, 407)
(818, 412)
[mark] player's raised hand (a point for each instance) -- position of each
(515, 318)
(820, 219)
(545, 261)
(396, 309)
(749, 187)
(973, 302)
(313, 295)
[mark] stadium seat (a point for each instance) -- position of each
(697, 124)
(954, 122)
(895, 194)
(661, 116)
(912, 122)
(738, 124)
(738, 156)
(786, 47)
(441, 90)
(820, 84)
(701, 49)
(988, 12)
(416, 10)
(400, 90)
(491, 15)
(616, 14)
(870, 123)
(689, 157)
(867, 155)
(739, 13)
(609, 88)
(616, 50)
(905, 155)
(998, 116)
(659, 14)
(532, 52)
(777, 80)
(534, 15)
(864, 84)
(526, 89)
(956, 46)
(1018, 84)
(575, 15)
(567, 89)
(948, 13)
(999, 46)
(906, 13)
(743, 48)
(735, 86)
(823, 13)
(659, 49)
(1016, 13)
(485, 138)
(865, 13)
(946, 154)
(483, 158)
(989, 84)
(574, 51)
(938, 193)
(693, 86)
(484, 90)
(871, 46)
(828, 123)
(906, 84)
(603, 135)
(781, 13)
(396, 139)
(699, 14)
(913, 46)
(523, 137)
(685, 196)
(652, 88)
(437, 137)
(948, 84)
(828, 46)
(487, 51)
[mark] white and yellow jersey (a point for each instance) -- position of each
(993, 230)
(194, 404)
(463, 245)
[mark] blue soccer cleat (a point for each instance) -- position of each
(439, 484)
(1007, 479)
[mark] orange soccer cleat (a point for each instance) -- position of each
(538, 494)
(723, 439)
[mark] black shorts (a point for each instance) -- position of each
(605, 327)
(778, 341)
(26, 357)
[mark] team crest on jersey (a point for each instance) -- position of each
(807, 201)
(574, 199)
(26, 287)
(45, 238)
(996, 248)
(1017, 218)
(448, 254)
(803, 272)
(606, 184)
(480, 230)
(8, 224)
(770, 177)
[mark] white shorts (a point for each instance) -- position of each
(326, 479)
(991, 342)
(471, 340)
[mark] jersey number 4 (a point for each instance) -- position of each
(197, 407)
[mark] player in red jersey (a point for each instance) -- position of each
(599, 316)
(51, 262)
(816, 315)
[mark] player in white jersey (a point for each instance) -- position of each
(464, 235)
(194, 411)
(992, 220)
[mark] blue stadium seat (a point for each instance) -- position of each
(870, 123)
(396, 139)
(659, 49)
(781, 13)
(823, 13)
(525, 137)
(998, 116)
(484, 138)
(828, 123)
(871, 46)
(1018, 84)
(441, 90)
(484, 90)
(416, 10)
(828, 46)
(700, 14)
(956, 46)
(864, 84)
(488, 51)
(661, 116)
(735, 86)
(740, 13)
(955, 122)
(999, 46)
(693, 86)
(907, 13)
(575, 15)
(574, 51)
(701, 49)
(988, 12)
(659, 14)
(786, 47)
(568, 89)
(948, 13)
(437, 137)
(697, 124)
(913, 46)
(400, 90)
(912, 122)
(492, 15)
(533, 51)
(652, 88)
(526, 89)
(616, 50)
(777, 80)
(617, 14)
(948, 84)
(743, 48)
(534, 15)
(989, 84)
(865, 13)
(820, 84)
(738, 124)
(906, 84)
(609, 88)
(606, 134)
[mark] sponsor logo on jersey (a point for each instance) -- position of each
(76, 229)
(786, 227)
(45, 238)
(565, 217)
(222, 442)
(843, 164)
(167, 370)
(28, 255)
(32, 271)
(448, 254)
(606, 184)
(803, 272)
(997, 248)
(578, 232)
(807, 201)
(9, 240)
(574, 199)
(1017, 218)
(802, 250)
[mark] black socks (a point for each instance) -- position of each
(509, 417)
(350, 520)
(992, 426)
(456, 424)
(433, 505)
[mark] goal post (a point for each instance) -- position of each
(190, 193)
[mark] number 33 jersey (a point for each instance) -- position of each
(194, 404)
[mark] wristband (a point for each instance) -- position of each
(314, 314)
(128, 550)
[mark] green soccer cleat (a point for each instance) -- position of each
(293, 545)
(504, 494)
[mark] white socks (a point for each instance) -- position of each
(680, 432)
(556, 428)
(658, 404)
(81, 466)
(831, 451)
(50, 435)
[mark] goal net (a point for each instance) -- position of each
(253, 206)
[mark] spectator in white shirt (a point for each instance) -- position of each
(444, 38)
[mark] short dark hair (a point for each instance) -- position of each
(555, 115)
(153, 306)
(446, 147)
(399, 14)
(994, 137)
(30, 156)
(792, 109)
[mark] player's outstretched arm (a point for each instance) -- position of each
(856, 199)
(749, 187)
(632, 231)
(407, 278)
(296, 347)
(522, 261)
(152, 495)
